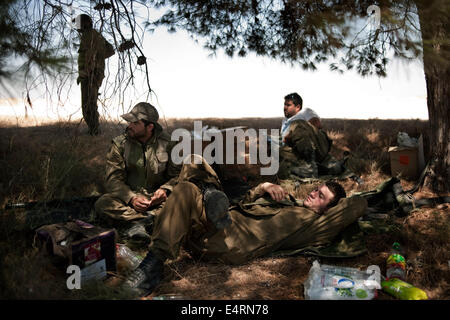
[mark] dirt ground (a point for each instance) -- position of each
(60, 160)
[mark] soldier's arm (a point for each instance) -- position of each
(82, 56)
(315, 121)
(116, 175)
(275, 191)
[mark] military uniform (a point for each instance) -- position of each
(305, 153)
(134, 168)
(259, 226)
(93, 51)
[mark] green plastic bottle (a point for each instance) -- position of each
(403, 290)
(396, 263)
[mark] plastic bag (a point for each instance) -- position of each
(127, 257)
(326, 282)
(404, 140)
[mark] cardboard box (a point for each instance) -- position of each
(407, 162)
(91, 248)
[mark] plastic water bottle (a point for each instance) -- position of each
(131, 259)
(396, 263)
(327, 282)
(403, 290)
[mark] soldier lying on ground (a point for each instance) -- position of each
(197, 215)
(139, 173)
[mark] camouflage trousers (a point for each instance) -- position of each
(89, 96)
(305, 153)
(184, 213)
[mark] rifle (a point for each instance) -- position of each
(33, 214)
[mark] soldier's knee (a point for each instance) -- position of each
(184, 186)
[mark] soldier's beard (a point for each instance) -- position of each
(287, 115)
(133, 134)
(130, 132)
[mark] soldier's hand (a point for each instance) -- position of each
(140, 203)
(275, 191)
(158, 197)
(78, 80)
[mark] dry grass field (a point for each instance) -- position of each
(59, 160)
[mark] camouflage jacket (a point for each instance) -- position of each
(303, 138)
(133, 167)
(93, 51)
(263, 227)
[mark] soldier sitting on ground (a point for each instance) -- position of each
(293, 111)
(139, 174)
(305, 146)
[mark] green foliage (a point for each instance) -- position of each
(304, 32)
(38, 43)
(27, 40)
(343, 33)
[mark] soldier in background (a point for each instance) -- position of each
(305, 145)
(93, 51)
(293, 111)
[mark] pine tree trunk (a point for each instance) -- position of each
(435, 34)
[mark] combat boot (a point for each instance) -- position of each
(216, 207)
(147, 276)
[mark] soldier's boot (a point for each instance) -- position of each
(147, 276)
(405, 200)
(216, 207)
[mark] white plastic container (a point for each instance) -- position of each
(326, 282)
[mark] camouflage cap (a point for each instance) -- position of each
(142, 111)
